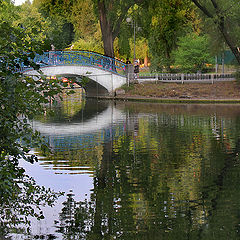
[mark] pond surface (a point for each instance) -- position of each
(139, 171)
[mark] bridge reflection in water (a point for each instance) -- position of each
(77, 140)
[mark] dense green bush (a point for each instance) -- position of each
(193, 53)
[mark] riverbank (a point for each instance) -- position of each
(221, 92)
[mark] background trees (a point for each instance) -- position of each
(58, 14)
(170, 19)
(193, 53)
(101, 26)
(224, 17)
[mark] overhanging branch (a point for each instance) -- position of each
(203, 9)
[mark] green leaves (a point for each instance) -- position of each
(193, 53)
(221, 20)
(21, 98)
(57, 22)
(84, 81)
(169, 20)
(20, 196)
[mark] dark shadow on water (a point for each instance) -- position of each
(74, 110)
(90, 110)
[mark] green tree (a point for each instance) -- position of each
(36, 28)
(91, 45)
(61, 31)
(224, 17)
(112, 15)
(169, 21)
(21, 98)
(136, 24)
(193, 52)
(84, 20)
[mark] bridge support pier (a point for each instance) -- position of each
(130, 73)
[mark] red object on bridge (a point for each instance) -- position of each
(64, 80)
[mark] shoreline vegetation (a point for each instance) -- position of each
(219, 92)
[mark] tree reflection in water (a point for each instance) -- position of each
(163, 179)
(20, 199)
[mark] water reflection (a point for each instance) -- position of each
(157, 171)
(78, 143)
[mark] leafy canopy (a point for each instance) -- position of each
(222, 22)
(21, 98)
(193, 52)
(169, 21)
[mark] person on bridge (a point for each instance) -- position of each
(52, 54)
(128, 61)
(136, 69)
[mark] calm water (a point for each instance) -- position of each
(139, 171)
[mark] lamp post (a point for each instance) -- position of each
(133, 23)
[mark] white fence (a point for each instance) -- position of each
(181, 78)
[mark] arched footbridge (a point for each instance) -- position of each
(104, 74)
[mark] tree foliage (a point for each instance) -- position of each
(103, 22)
(111, 14)
(193, 53)
(35, 26)
(91, 45)
(224, 17)
(169, 19)
(57, 13)
(86, 27)
(21, 98)
(84, 20)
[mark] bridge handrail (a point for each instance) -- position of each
(84, 58)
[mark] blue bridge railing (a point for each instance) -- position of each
(84, 58)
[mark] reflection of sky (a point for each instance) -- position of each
(80, 184)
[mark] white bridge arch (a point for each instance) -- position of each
(105, 74)
(103, 120)
(101, 82)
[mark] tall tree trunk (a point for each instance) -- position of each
(110, 27)
(107, 31)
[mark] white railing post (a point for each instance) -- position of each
(182, 77)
